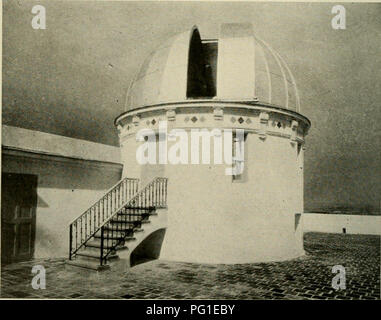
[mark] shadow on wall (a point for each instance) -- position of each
(65, 174)
(149, 249)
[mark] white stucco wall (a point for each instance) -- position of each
(334, 223)
(72, 175)
(212, 219)
(65, 190)
(215, 220)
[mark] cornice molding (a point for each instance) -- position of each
(39, 156)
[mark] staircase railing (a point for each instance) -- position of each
(122, 223)
(88, 223)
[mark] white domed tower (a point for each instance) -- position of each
(234, 82)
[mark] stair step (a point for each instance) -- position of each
(96, 250)
(138, 214)
(132, 210)
(87, 265)
(115, 233)
(141, 208)
(113, 227)
(130, 223)
(97, 244)
(124, 223)
(95, 255)
(115, 237)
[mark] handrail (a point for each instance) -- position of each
(153, 195)
(137, 195)
(105, 194)
(88, 223)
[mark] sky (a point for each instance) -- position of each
(71, 78)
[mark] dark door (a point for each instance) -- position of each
(18, 216)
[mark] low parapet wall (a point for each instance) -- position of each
(335, 223)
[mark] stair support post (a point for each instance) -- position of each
(70, 241)
(102, 238)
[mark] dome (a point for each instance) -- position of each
(237, 66)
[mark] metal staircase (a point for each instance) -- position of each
(113, 221)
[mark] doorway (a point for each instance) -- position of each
(18, 216)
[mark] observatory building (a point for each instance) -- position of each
(236, 81)
(212, 150)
